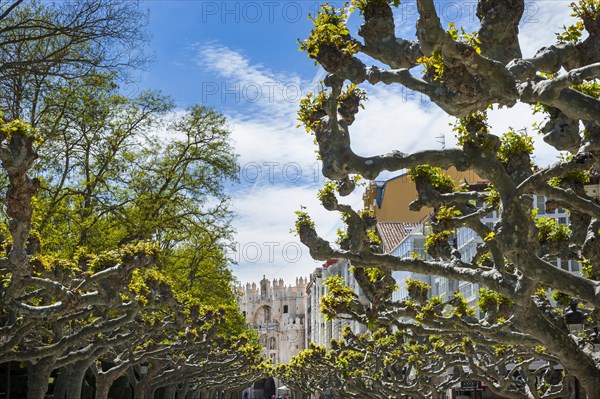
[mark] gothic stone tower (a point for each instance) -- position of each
(277, 312)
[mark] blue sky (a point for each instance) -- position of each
(265, 32)
(242, 58)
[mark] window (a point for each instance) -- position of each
(466, 290)
(562, 220)
(419, 247)
(574, 266)
(540, 204)
(564, 264)
(285, 308)
(440, 286)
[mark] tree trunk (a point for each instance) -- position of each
(38, 376)
(102, 389)
(170, 392)
(104, 382)
(590, 389)
(75, 382)
(70, 381)
(182, 392)
(60, 386)
(141, 391)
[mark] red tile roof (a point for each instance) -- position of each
(329, 262)
(392, 233)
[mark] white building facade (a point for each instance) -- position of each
(319, 330)
(465, 241)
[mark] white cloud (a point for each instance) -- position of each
(540, 23)
(264, 242)
(252, 84)
(397, 120)
(279, 171)
(274, 141)
(265, 130)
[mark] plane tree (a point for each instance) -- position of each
(379, 365)
(41, 305)
(415, 347)
(222, 364)
(93, 261)
(523, 338)
(175, 351)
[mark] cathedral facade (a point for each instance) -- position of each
(278, 313)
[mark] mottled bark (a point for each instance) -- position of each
(70, 380)
(38, 379)
(17, 157)
(102, 389)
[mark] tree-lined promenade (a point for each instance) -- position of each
(116, 225)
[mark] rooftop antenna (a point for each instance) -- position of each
(442, 140)
(523, 130)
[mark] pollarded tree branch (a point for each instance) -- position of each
(499, 31)
(572, 103)
(573, 77)
(568, 196)
(72, 340)
(17, 156)
(466, 73)
(404, 77)
(320, 249)
(580, 161)
(381, 43)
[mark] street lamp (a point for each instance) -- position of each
(574, 318)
